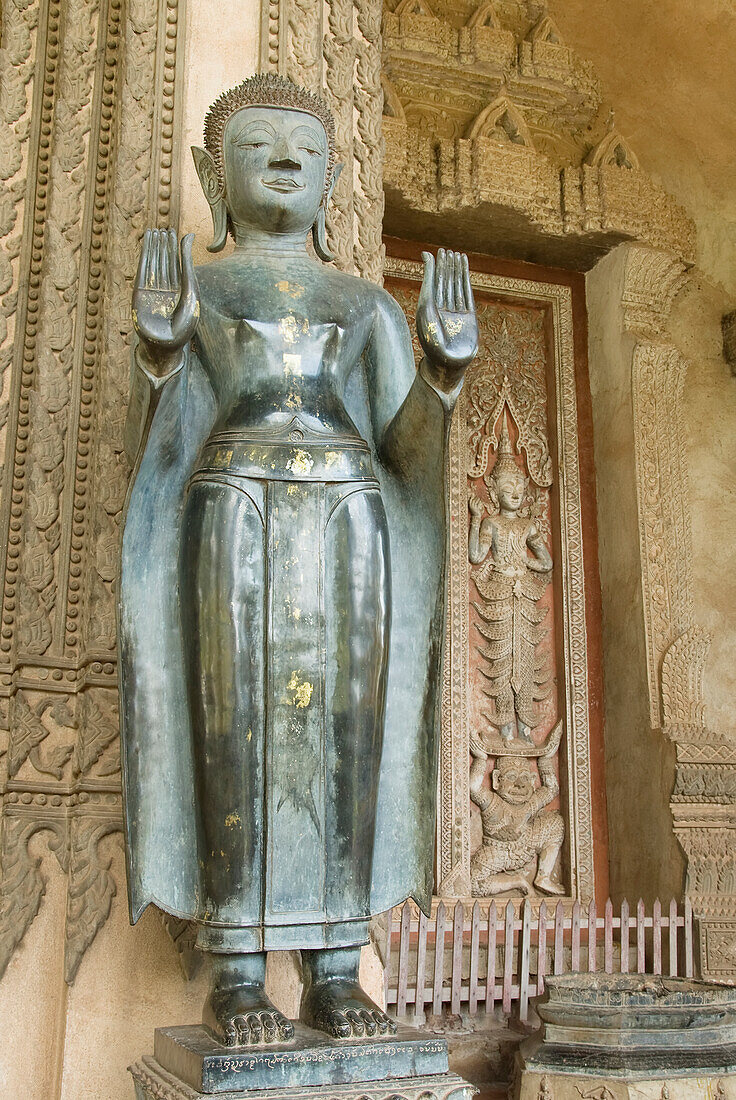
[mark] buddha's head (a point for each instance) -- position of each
(268, 161)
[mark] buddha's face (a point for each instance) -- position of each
(275, 161)
(514, 780)
(510, 489)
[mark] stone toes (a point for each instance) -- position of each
(381, 1022)
(340, 1026)
(286, 1028)
(391, 1025)
(230, 1034)
(369, 1021)
(255, 1025)
(238, 1023)
(355, 1019)
(269, 1027)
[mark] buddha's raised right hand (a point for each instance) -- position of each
(165, 300)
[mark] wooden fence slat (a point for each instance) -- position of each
(688, 938)
(439, 960)
(673, 938)
(640, 938)
(608, 938)
(624, 936)
(387, 971)
(524, 950)
(421, 965)
(508, 956)
(592, 938)
(657, 936)
(458, 922)
(559, 938)
(474, 950)
(491, 963)
(542, 948)
(403, 980)
(575, 951)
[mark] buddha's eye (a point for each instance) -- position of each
(253, 144)
(312, 152)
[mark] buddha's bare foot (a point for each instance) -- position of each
(343, 1010)
(548, 885)
(244, 1016)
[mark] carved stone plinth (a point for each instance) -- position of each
(669, 1037)
(189, 1064)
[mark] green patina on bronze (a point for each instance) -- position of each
(282, 589)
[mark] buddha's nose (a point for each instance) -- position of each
(283, 156)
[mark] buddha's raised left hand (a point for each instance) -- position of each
(446, 323)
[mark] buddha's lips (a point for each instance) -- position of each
(284, 183)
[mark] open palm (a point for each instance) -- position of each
(165, 298)
(446, 323)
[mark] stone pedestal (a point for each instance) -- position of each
(615, 1037)
(189, 1064)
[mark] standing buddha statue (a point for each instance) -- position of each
(281, 596)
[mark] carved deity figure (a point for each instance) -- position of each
(521, 841)
(282, 576)
(512, 577)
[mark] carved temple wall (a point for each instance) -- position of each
(495, 137)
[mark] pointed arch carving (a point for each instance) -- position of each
(502, 118)
(392, 105)
(484, 16)
(546, 30)
(414, 7)
(614, 151)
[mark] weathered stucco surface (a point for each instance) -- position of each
(667, 67)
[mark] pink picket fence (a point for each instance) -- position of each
(466, 960)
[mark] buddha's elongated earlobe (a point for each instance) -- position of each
(319, 229)
(214, 194)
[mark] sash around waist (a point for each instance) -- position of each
(337, 459)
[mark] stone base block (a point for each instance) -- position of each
(189, 1063)
(152, 1082)
(539, 1085)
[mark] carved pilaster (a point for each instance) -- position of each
(702, 802)
(90, 101)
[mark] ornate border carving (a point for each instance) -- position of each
(91, 161)
(454, 843)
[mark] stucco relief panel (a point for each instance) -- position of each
(515, 678)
